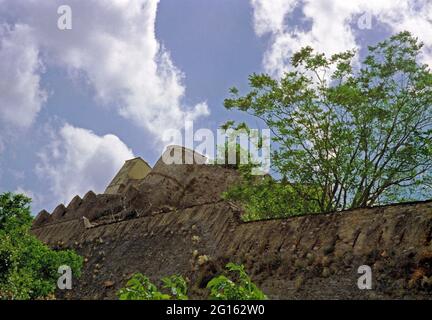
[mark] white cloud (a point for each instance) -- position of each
(37, 199)
(21, 96)
(269, 16)
(78, 160)
(113, 44)
(332, 24)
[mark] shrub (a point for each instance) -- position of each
(28, 268)
(223, 288)
(139, 287)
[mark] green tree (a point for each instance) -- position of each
(346, 135)
(28, 268)
(14, 212)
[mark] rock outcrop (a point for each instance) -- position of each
(175, 222)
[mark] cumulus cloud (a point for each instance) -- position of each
(112, 45)
(333, 25)
(21, 95)
(77, 160)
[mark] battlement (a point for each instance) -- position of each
(131, 174)
(137, 189)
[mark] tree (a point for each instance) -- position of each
(349, 135)
(14, 211)
(28, 268)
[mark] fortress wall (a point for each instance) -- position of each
(318, 256)
(175, 222)
(299, 257)
(59, 232)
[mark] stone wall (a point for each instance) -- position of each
(175, 222)
(301, 257)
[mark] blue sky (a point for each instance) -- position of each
(75, 104)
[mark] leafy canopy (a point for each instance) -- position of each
(344, 135)
(28, 268)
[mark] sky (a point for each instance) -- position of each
(76, 103)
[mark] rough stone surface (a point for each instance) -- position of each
(175, 222)
(131, 173)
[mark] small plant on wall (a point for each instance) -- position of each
(139, 287)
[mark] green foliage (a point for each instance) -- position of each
(14, 212)
(232, 152)
(343, 137)
(223, 288)
(28, 268)
(265, 198)
(177, 285)
(139, 287)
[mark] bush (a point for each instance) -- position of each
(265, 198)
(223, 288)
(28, 268)
(139, 287)
(177, 285)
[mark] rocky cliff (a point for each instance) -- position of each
(175, 222)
